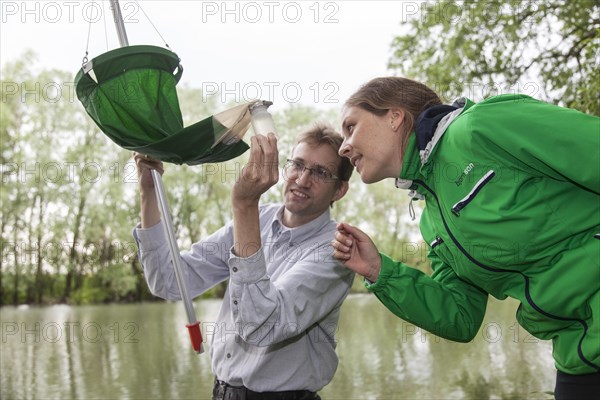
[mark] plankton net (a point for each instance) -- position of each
(130, 93)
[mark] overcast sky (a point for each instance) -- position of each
(307, 52)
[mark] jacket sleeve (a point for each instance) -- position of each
(557, 142)
(442, 303)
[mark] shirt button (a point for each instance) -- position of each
(234, 269)
(228, 355)
(235, 302)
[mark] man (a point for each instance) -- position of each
(285, 288)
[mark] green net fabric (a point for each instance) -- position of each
(131, 95)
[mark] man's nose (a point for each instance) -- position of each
(304, 177)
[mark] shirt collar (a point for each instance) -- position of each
(302, 232)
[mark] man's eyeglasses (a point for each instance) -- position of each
(317, 172)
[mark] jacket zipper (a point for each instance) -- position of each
(468, 198)
(438, 240)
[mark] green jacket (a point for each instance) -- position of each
(512, 192)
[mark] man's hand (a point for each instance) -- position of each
(357, 251)
(150, 215)
(144, 164)
(259, 174)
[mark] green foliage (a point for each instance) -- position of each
(89, 294)
(114, 283)
(547, 49)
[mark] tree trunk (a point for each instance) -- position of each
(38, 273)
(3, 244)
(139, 281)
(29, 290)
(15, 299)
(73, 251)
(68, 282)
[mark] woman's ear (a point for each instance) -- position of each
(396, 116)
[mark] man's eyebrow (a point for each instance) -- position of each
(320, 166)
(300, 159)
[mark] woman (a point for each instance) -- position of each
(512, 208)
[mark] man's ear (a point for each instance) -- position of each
(340, 191)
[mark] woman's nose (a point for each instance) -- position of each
(345, 149)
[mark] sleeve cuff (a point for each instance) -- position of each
(387, 269)
(149, 239)
(247, 270)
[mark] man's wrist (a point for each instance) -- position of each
(149, 212)
(242, 206)
(147, 194)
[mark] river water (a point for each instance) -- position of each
(142, 351)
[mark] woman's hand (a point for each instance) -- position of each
(357, 251)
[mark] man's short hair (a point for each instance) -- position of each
(324, 134)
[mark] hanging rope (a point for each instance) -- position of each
(105, 30)
(87, 45)
(151, 23)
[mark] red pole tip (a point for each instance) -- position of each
(195, 336)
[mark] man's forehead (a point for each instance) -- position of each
(315, 153)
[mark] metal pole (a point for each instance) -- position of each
(173, 247)
(116, 9)
(193, 325)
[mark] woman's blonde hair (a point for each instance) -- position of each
(379, 95)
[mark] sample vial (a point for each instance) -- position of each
(262, 120)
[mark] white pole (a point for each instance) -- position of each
(118, 17)
(193, 325)
(173, 247)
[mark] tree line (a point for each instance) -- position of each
(69, 195)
